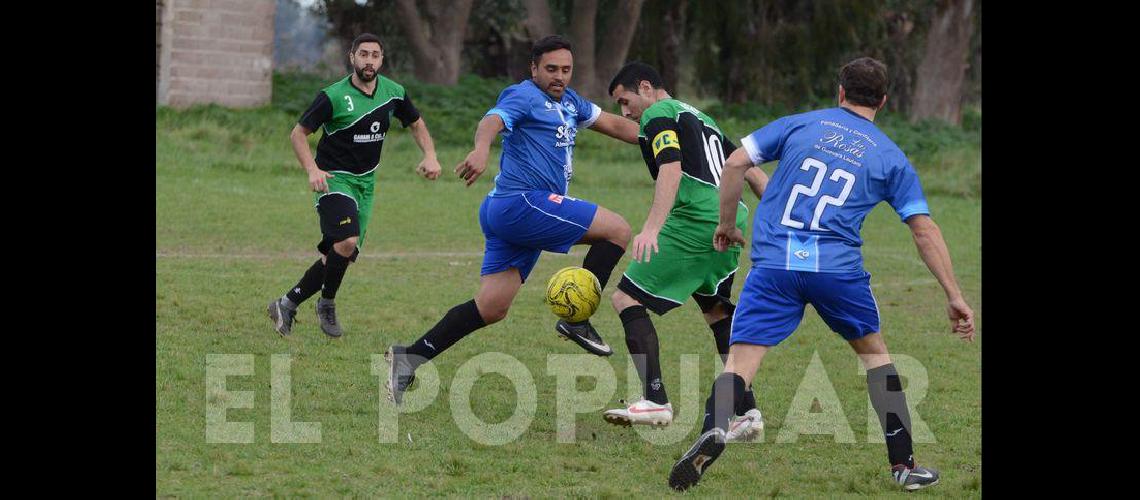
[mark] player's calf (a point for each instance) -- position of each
(336, 264)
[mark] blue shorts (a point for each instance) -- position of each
(519, 226)
(772, 304)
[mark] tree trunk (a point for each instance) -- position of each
(669, 58)
(615, 45)
(899, 66)
(938, 90)
(582, 31)
(436, 37)
(538, 22)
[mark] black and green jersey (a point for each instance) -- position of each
(675, 131)
(355, 123)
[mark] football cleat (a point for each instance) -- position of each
(326, 315)
(745, 428)
(643, 412)
(914, 478)
(584, 335)
(282, 317)
(401, 373)
(687, 471)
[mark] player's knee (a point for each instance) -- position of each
(493, 313)
(621, 301)
(622, 231)
(346, 246)
(718, 311)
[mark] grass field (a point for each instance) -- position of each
(235, 227)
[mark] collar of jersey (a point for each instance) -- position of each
(362, 92)
(544, 94)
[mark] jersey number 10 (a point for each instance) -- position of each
(837, 175)
(714, 156)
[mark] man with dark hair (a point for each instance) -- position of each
(528, 209)
(835, 166)
(355, 113)
(673, 256)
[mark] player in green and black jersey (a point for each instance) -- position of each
(673, 256)
(355, 114)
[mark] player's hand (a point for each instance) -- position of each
(473, 166)
(726, 236)
(429, 169)
(317, 180)
(961, 319)
(645, 244)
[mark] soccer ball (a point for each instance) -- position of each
(573, 294)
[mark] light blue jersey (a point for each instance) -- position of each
(538, 138)
(835, 166)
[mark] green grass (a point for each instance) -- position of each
(235, 227)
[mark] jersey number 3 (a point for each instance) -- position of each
(837, 175)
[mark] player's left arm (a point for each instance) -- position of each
(932, 248)
(664, 194)
(429, 167)
(410, 117)
(904, 193)
(618, 127)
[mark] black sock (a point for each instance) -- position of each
(335, 266)
(641, 339)
(601, 259)
(748, 402)
(721, 331)
(727, 390)
(309, 284)
(889, 401)
(456, 324)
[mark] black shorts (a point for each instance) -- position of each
(661, 306)
(339, 221)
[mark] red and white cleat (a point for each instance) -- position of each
(745, 428)
(643, 412)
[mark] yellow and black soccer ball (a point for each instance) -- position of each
(573, 294)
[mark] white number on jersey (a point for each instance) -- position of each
(349, 99)
(714, 155)
(821, 171)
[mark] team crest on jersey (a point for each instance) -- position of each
(555, 198)
(570, 107)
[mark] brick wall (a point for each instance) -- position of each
(215, 51)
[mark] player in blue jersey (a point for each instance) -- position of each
(528, 210)
(835, 166)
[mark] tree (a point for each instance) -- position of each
(435, 31)
(942, 72)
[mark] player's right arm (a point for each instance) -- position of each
(319, 112)
(476, 162)
(757, 181)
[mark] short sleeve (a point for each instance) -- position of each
(588, 112)
(767, 143)
(319, 112)
(663, 135)
(512, 106)
(406, 111)
(904, 191)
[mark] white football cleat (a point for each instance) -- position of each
(643, 412)
(745, 428)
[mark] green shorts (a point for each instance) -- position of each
(345, 209)
(685, 265)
